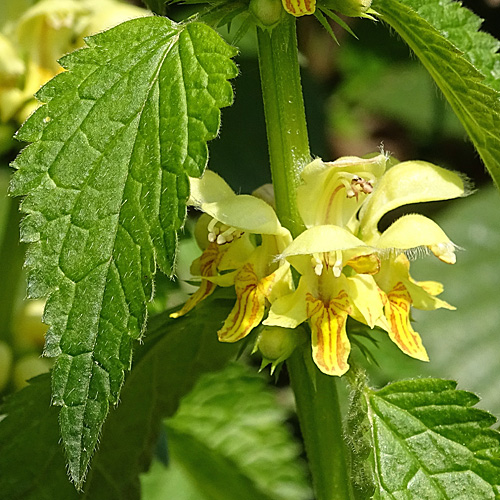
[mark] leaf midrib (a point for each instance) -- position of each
(137, 117)
(401, 440)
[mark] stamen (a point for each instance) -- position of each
(228, 235)
(359, 185)
(318, 264)
(213, 230)
(337, 266)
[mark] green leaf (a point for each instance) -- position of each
(431, 443)
(476, 104)
(174, 355)
(169, 482)
(460, 26)
(106, 185)
(229, 435)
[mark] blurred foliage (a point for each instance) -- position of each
(35, 34)
(229, 440)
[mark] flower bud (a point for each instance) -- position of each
(28, 328)
(351, 8)
(267, 13)
(29, 366)
(276, 344)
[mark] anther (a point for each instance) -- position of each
(318, 265)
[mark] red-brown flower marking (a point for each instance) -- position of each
(209, 261)
(330, 344)
(299, 7)
(397, 311)
(247, 313)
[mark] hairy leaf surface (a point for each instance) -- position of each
(106, 186)
(460, 26)
(174, 355)
(431, 443)
(461, 61)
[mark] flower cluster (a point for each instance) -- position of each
(34, 37)
(347, 267)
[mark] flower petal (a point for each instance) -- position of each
(330, 344)
(318, 239)
(405, 183)
(289, 311)
(245, 212)
(248, 213)
(365, 264)
(424, 297)
(367, 299)
(247, 313)
(413, 231)
(322, 198)
(397, 311)
(208, 189)
(433, 288)
(208, 267)
(299, 7)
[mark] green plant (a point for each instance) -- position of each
(305, 275)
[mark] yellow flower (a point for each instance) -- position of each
(299, 7)
(348, 268)
(326, 295)
(42, 34)
(405, 183)
(333, 192)
(352, 8)
(234, 256)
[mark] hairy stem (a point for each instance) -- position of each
(315, 393)
(320, 420)
(285, 117)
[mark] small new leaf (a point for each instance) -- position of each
(106, 185)
(430, 442)
(461, 61)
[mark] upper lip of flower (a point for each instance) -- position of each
(403, 184)
(212, 195)
(331, 193)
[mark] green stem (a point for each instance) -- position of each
(315, 393)
(320, 420)
(285, 117)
